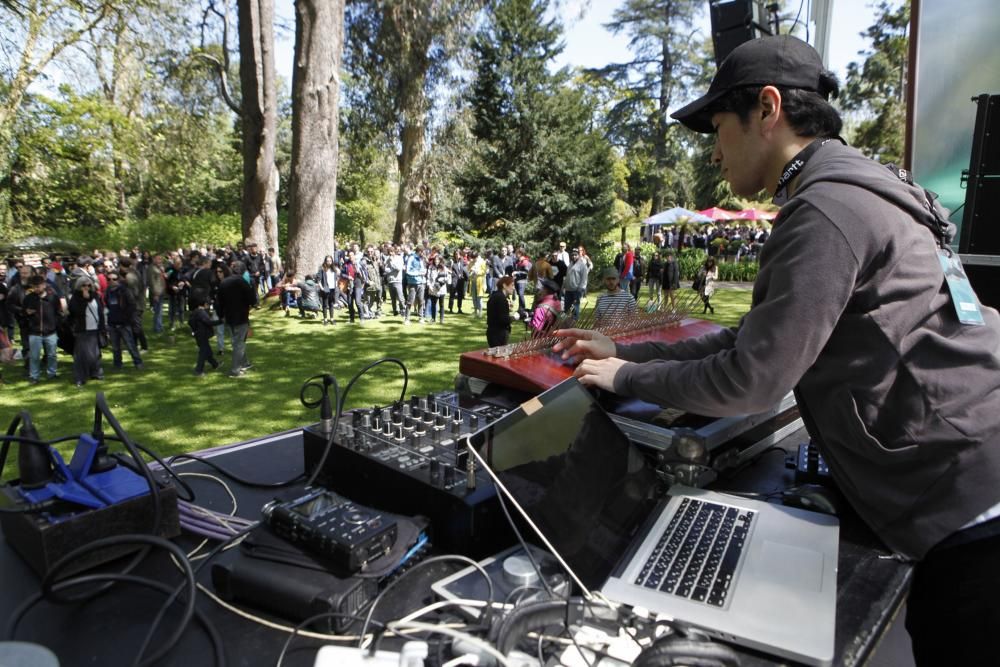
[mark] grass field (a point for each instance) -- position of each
(170, 410)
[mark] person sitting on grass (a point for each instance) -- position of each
(308, 296)
(202, 327)
(289, 292)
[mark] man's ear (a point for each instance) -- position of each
(770, 107)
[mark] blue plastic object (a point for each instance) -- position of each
(76, 485)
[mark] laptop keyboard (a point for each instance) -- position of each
(697, 555)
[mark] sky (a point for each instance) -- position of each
(589, 44)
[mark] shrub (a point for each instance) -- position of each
(158, 233)
(691, 260)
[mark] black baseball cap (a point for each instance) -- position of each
(779, 60)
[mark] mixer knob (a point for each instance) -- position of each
(387, 427)
(400, 434)
(406, 410)
(474, 421)
(435, 472)
(439, 422)
(408, 423)
(422, 403)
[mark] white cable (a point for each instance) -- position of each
(218, 480)
(450, 603)
(304, 633)
(467, 659)
(208, 513)
(270, 624)
(445, 630)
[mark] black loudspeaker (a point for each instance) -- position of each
(981, 218)
(732, 24)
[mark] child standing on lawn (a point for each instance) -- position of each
(203, 327)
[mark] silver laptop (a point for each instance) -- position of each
(751, 573)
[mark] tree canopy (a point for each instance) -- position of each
(453, 118)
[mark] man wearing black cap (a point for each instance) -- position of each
(896, 375)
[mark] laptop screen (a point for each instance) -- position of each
(575, 474)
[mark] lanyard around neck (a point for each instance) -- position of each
(794, 166)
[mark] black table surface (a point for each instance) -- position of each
(108, 630)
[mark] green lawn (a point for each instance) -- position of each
(168, 409)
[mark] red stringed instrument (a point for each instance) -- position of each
(541, 370)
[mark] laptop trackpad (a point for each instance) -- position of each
(791, 566)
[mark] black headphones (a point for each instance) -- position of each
(677, 650)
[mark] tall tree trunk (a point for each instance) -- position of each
(319, 41)
(259, 119)
(662, 109)
(411, 206)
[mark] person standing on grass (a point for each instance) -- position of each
(156, 284)
(671, 278)
(41, 313)
(459, 280)
(121, 313)
(177, 290)
(87, 318)
(575, 283)
(477, 282)
(133, 282)
(707, 276)
(638, 267)
(237, 297)
(328, 276)
(498, 315)
(202, 325)
(416, 279)
(395, 269)
(654, 278)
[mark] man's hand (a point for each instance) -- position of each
(599, 372)
(583, 344)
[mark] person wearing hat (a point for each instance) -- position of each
(547, 307)
(898, 382)
(87, 318)
(614, 301)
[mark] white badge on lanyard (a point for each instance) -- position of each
(962, 295)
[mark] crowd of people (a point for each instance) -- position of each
(748, 240)
(86, 303)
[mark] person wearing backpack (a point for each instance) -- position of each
(861, 307)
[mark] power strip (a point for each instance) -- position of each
(412, 655)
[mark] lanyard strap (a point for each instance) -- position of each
(797, 163)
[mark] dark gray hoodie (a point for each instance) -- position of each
(851, 310)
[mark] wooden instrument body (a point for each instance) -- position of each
(534, 373)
